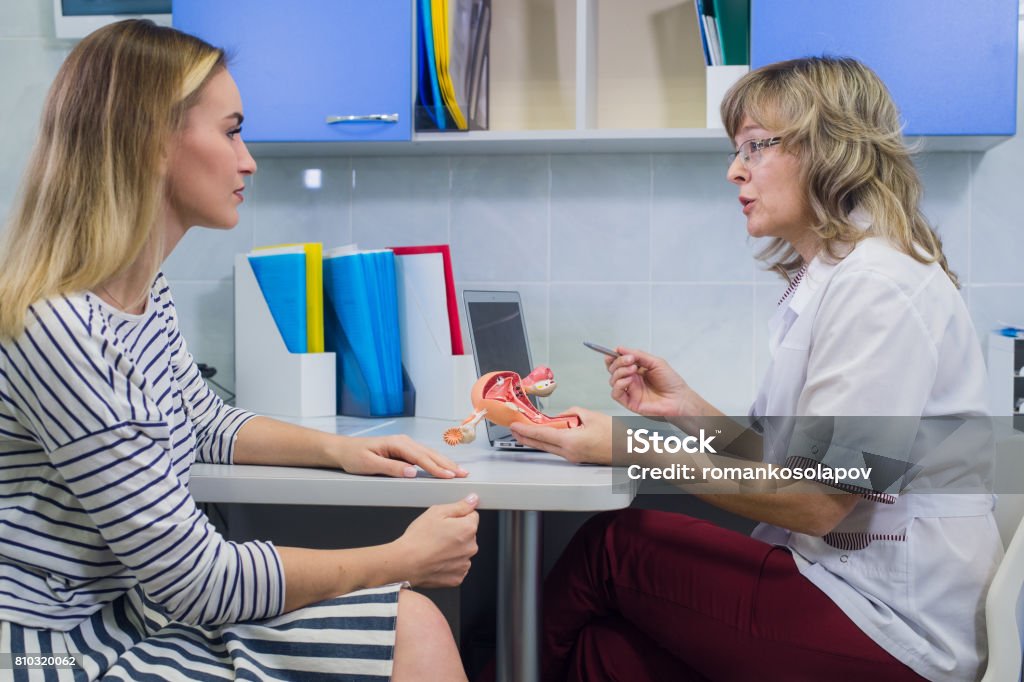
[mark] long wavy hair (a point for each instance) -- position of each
(92, 192)
(838, 118)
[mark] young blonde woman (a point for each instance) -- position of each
(839, 582)
(104, 556)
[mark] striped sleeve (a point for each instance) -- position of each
(89, 408)
(216, 424)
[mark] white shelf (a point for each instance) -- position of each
(600, 141)
(576, 141)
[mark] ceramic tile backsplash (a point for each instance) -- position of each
(302, 200)
(946, 204)
(994, 306)
(500, 217)
(400, 201)
(698, 233)
(611, 314)
(600, 218)
(997, 240)
(637, 249)
(704, 332)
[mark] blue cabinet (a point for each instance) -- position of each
(299, 64)
(950, 65)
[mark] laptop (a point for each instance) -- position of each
(497, 334)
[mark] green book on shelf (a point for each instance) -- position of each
(733, 18)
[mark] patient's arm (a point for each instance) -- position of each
(271, 442)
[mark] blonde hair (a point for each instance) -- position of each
(93, 188)
(838, 118)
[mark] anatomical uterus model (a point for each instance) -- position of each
(501, 397)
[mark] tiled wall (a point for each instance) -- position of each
(632, 249)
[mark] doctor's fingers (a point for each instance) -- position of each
(628, 400)
(627, 373)
(615, 364)
(529, 430)
(549, 437)
(629, 396)
(640, 357)
(627, 384)
(546, 445)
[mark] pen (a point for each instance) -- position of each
(609, 352)
(600, 349)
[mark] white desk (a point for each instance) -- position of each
(519, 485)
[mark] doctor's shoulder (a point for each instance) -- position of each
(877, 257)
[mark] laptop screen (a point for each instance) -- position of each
(499, 338)
(498, 333)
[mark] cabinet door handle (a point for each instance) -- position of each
(371, 118)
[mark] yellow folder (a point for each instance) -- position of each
(314, 293)
(439, 21)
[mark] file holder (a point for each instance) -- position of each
(442, 381)
(353, 392)
(720, 79)
(269, 379)
(361, 328)
(354, 395)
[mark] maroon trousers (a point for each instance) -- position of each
(641, 595)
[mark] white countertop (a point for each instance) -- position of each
(507, 480)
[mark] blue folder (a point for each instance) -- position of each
(361, 326)
(282, 280)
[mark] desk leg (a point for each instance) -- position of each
(519, 588)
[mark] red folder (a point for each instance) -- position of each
(449, 285)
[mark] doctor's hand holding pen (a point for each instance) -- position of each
(642, 383)
(591, 441)
(646, 384)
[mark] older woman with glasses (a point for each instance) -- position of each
(839, 581)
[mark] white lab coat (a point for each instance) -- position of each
(880, 334)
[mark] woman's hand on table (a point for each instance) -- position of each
(396, 456)
(437, 547)
(589, 443)
(645, 384)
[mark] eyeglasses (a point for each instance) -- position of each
(750, 151)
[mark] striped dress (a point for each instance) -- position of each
(103, 552)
